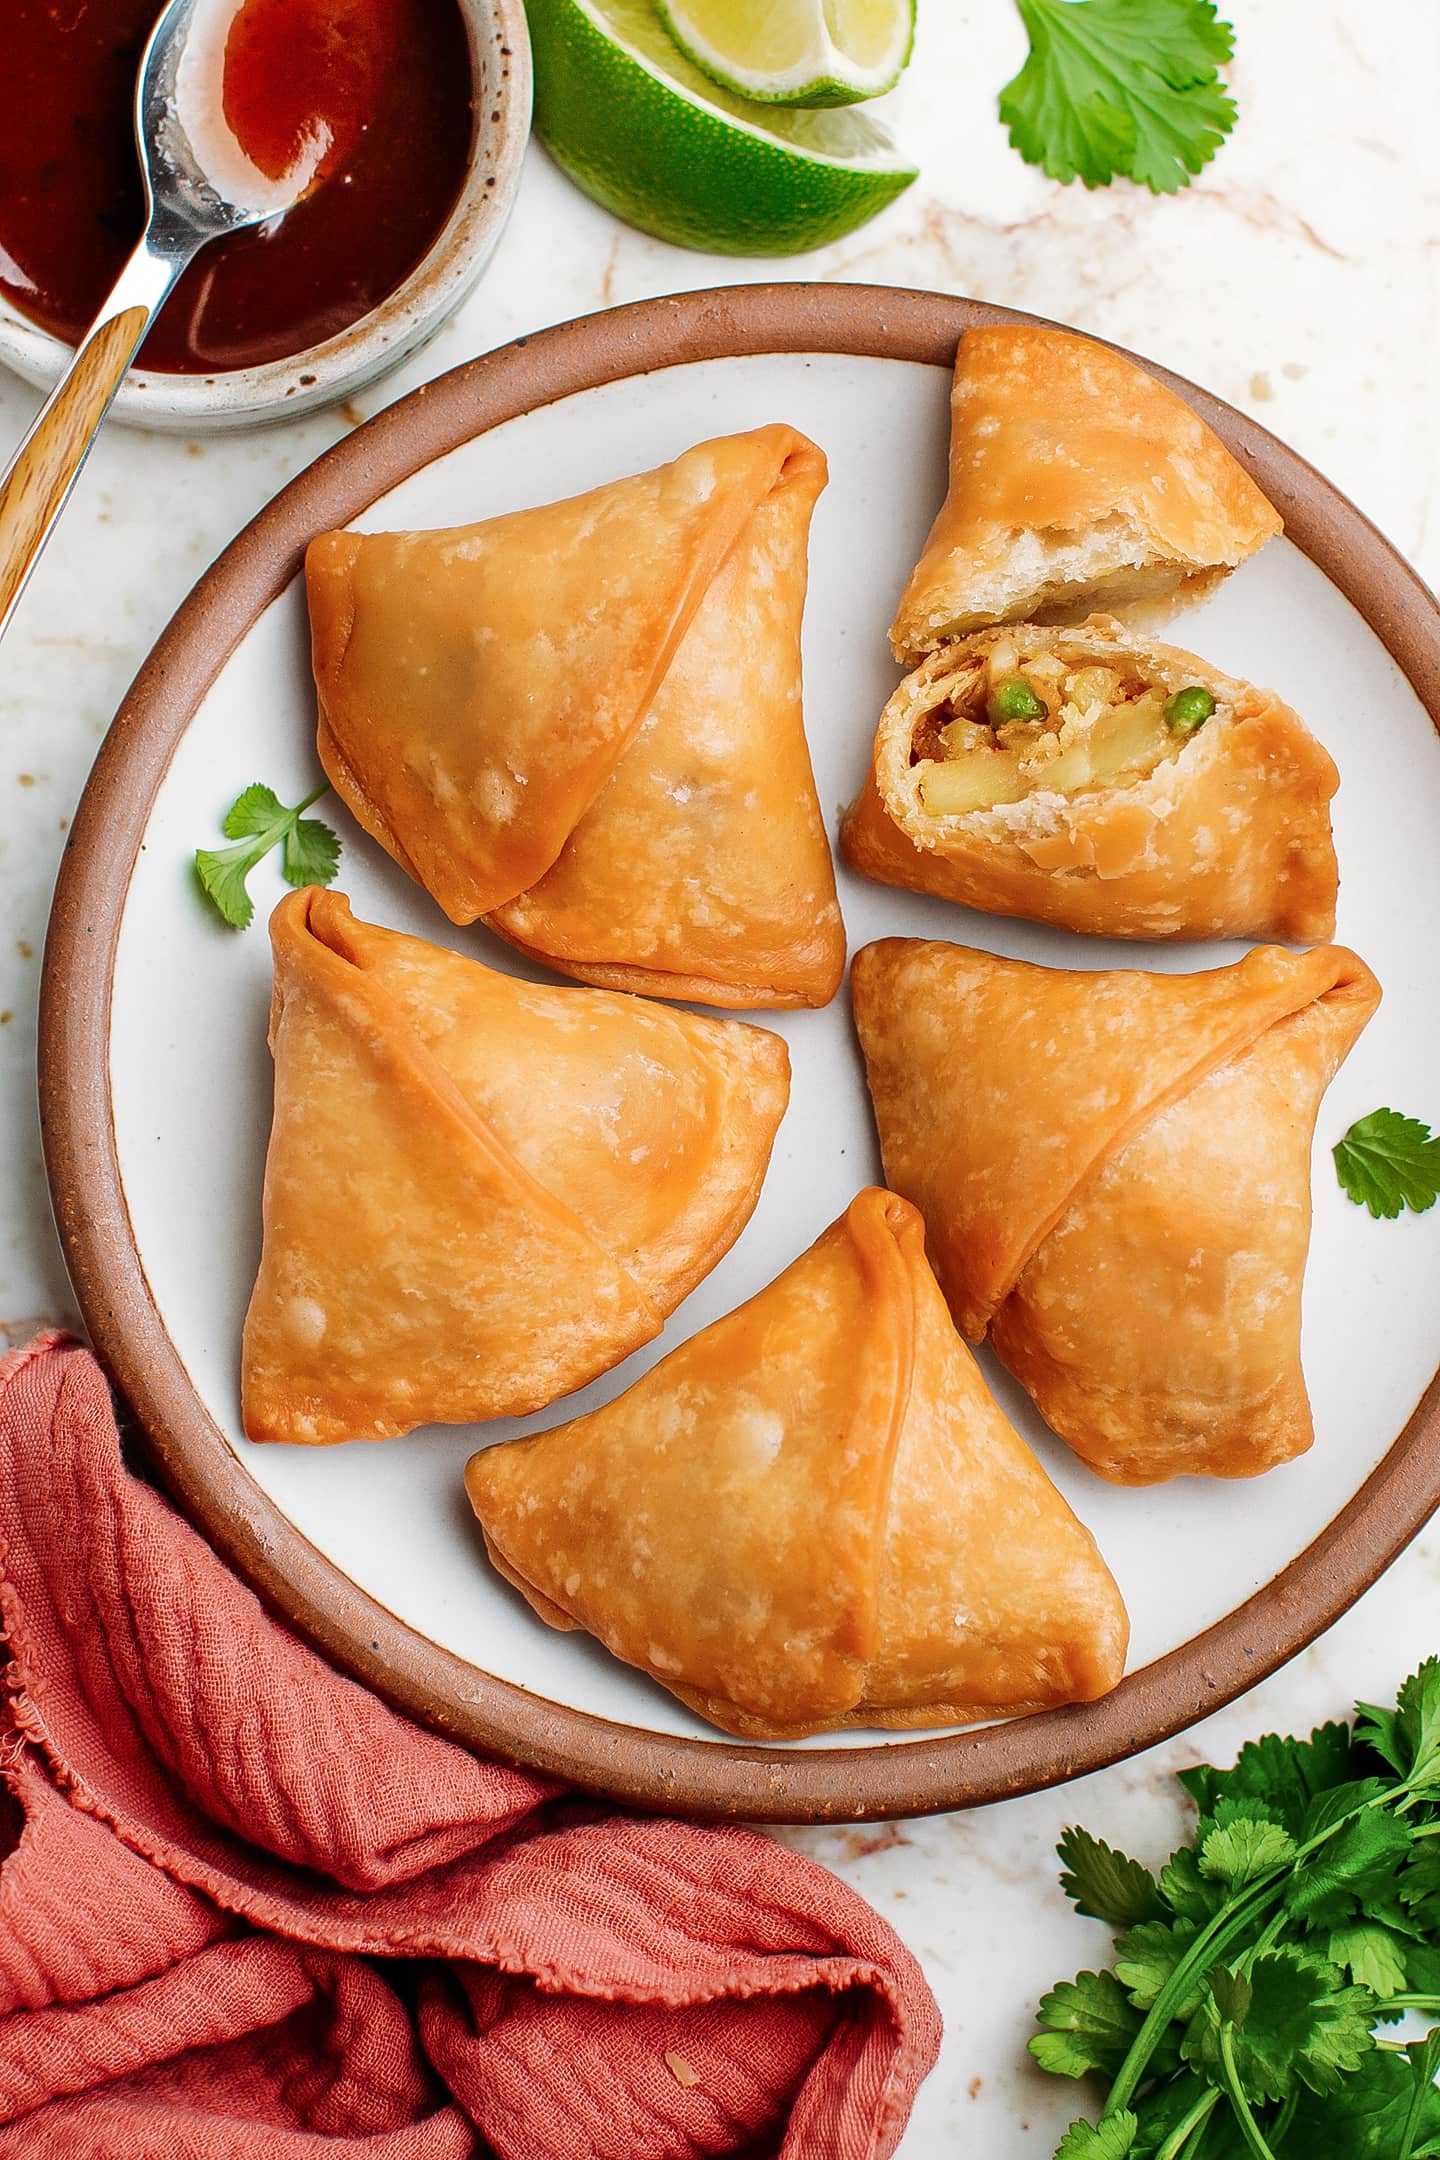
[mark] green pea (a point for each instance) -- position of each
(1014, 700)
(1189, 709)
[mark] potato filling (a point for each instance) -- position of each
(1008, 729)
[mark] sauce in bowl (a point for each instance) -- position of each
(388, 81)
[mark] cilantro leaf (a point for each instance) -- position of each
(1419, 1885)
(1301, 2019)
(1145, 1957)
(1291, 2017)
(1388, 1163)
(1358, 1860)
(1283, 1776)
(1372, 1955)
(1356, 1797)
(1236, 1852)
(254, 810)
(311, 854)
(1368, 2117)
(1422, 1968)
(1408, 1737)
(1112, 2139)
(1120, 86)
(222, 873)
(1188, 1893)
(1089, 2024)
(257, 821)
(1103, 1883)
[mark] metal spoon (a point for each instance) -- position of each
(184, 209)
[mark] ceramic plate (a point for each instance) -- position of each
(156, 1077)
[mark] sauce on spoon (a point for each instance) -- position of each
(387, 81)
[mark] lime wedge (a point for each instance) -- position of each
(796, 52)
(636, 124)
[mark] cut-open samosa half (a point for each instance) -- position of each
(583, 723)
(813, 1515)
(480, 1192)
(1077, 481)
(1098, 780)
(1114, 1170)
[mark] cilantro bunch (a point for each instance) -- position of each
(1243, 2016)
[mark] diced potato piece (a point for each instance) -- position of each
(1092, 686)
(1064, 774)
(1130, 737)
(959, 737)
(977, 782)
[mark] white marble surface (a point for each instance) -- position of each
(1300, 278)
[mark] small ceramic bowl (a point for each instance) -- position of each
(281, 389)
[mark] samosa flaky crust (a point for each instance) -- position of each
(582, 722)
(1114, 1171)
(813, 1515)
(1077, 480)
(480, 1192)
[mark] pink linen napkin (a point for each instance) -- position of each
(248, 1912)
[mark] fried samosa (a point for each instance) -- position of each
(1102, 782)
(480, 1192)
(1114, 1170)
(583, 724)
(1076, 481)
(812, 1514)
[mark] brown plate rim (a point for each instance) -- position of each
(688, 1776)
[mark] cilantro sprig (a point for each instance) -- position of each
(1121, 87)
(1242, 2017)
(1388, 1163)
(258, 821)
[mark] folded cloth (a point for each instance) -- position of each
(214, 1839)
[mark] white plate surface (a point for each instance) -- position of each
(191, 1074)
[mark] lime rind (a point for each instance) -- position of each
(836, 137)
(635, 124)
(825, 79)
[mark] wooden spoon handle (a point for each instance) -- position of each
(33, 491)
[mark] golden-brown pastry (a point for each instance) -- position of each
(1076, 481)
(1114, 1171)
(480, 1192)
(813, 1515)
(1100, 781)
(583, 723)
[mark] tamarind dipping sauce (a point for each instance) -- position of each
(385, 85)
